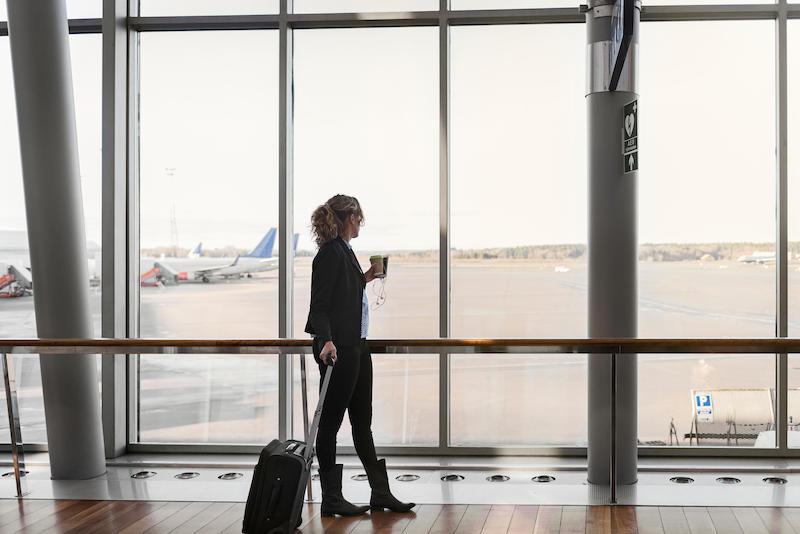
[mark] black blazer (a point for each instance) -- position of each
(337, 289)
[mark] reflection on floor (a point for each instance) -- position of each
(220, 517)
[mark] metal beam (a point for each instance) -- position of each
(133, 220)
(782, 211)
(14, 426)
(285, 214)
(369, 20)
(191, 23)
(444, 221)
(701, 13)
(115, 221)
(569, 15)
(428, 18)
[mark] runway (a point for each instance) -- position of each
(496, 400)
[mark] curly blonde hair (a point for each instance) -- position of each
(328, 220)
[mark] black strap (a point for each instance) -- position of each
(273, 498)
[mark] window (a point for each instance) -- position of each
(456, 5)
(794, 176)
(709, 2)
(518, 224)
(363, 6)
(518, 180)
(366, 124)
(174, 8)
(209, 208)
(17, 318)
(707, 224)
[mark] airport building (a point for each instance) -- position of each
(583, 324)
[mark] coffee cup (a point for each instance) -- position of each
(377, 262)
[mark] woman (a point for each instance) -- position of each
(338, 319)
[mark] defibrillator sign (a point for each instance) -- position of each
(630, 137)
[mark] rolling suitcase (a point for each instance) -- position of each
(275, 501)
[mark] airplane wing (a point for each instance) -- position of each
(216, 268)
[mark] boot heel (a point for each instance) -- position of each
(327, 514)
(376, 508)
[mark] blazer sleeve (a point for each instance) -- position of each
(324, 274)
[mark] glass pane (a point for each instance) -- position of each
(363, 6)
(518, 173)
(707, 211)
(518, 230)
(176, 8)
(794, 227)
(708, 2)
(209, 208)
(794, 176)
(17, 318)
(707, 233)
(517, 403)
(405, 400)
(456, 5)
(76, 9)
(366, 124)
(725, 400)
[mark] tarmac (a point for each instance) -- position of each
(495, 399)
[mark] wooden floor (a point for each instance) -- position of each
(208, 517)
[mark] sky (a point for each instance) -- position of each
(366, 124)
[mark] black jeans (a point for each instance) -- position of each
(350, 389)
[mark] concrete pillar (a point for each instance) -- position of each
(612, 250)
(48, 143)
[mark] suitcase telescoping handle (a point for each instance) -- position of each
(312, 432)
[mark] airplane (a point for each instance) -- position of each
(198, 268)
(760, 258)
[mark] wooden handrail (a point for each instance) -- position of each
(621, 345)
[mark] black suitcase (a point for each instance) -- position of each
(275, 501)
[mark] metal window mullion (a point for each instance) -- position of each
(205, 22)
(114, 224)
(782, 283)
(76, 26)
(710, 12)
(285, 211)
(133, 225)
(444, 221)
(432, 18)
(427, 18)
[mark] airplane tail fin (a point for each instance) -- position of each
(295, 239)
(196, 251)
(265, 246)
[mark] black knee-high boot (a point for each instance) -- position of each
(333, 502)
(382, 497)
